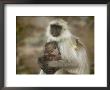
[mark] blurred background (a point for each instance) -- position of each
(30, 38)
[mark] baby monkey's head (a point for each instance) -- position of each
(50, 47)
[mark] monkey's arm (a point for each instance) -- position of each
(72, 61)
(63, 64)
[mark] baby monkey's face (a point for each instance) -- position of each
(51, 48)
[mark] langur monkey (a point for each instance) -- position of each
(74, 57)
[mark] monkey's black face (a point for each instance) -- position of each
(55, 30)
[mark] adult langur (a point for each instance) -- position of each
(74, 58)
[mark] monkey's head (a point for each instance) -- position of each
(57, 29)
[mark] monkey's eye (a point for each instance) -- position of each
(57, 27)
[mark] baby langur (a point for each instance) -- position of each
(73, 53)
(51, 52)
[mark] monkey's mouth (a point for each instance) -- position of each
(55, 30)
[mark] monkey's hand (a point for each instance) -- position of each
(42, 62)
(63, 64)
(44, 66)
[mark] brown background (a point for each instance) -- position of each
(30, 32)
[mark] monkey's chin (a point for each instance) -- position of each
(55, 35)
